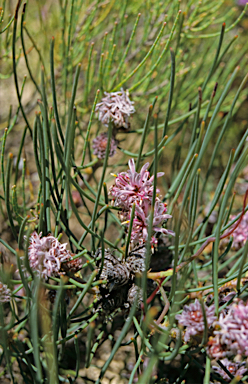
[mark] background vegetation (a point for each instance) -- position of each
(184, 65)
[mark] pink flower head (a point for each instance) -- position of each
(100, 145)
(137, 187)
(240, 234)
(159, 216)
(142, 220)
(241, 2)
(235, 369)
(115, 107)
(214, 348)
(192, 318)
(133, 187)
(232, 331)
(46, 254)
(5, 293)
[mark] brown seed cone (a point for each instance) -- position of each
(136, 259)
(71, 266)
(133, 292)
(114, 300)
(114, 271)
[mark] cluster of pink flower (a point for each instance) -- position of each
(99, 145)
(235, 369)
(133, 187)
(5, 293)
(240, 234)
(48, 257)
(115, 107)
(230, 333)
(192, 318)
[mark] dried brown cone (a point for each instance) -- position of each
(113, 300)
(133, 293)
(71, 266)
(136, 259)
(114, 271)
(120, 291)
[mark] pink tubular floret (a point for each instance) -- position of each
(46, 254)
(192, 318)
(137, 187)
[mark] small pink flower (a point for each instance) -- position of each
(241, 2)
(46, 254)
(192, 318)
(235, 369)
(240, 234)
(159, 216)
(115, 107)
(77, 199)
(100, 145)
(137, 187)
(142, 220)
(231, 331)
(133, 187)
(5, 293)
(215, 349)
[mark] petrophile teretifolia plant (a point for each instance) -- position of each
(123, 197)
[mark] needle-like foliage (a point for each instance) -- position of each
(123, 191)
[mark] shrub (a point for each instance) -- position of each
(101, 250)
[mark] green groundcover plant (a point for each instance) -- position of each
(123, 192)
